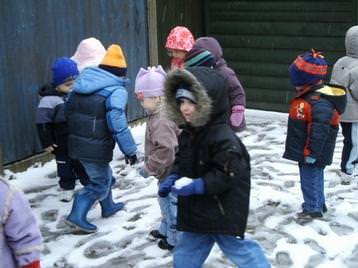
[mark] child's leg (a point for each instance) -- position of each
(321, 190)
(100, 175)
(163, 204)
(347, 145)
(65, 173)
(192, 250)
(353, 156)
(80, 172)
(312, 187)
(172, 219)
(242, 252)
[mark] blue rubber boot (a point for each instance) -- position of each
(110, 208)
(78, 216)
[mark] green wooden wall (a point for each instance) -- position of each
(261, 38)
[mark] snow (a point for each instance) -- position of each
(184, 181)
(123, 240)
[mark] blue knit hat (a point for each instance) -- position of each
(308, 69)
(63, 69)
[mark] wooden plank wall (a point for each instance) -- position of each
(261, 38)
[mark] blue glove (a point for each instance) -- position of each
(165, 185)
(143, 173)
(196, 186)
(310, 160)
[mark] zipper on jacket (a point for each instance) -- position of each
(94, 125)
(219, 204)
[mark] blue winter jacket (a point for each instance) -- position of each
(96, 117)
(313, 124)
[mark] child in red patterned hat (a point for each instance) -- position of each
(312, 128)
(179, 41)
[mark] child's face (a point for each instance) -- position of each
(187, 109)
(176, 58)
(65, 87)
(175, 53)
(150, 104)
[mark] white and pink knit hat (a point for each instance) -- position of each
(89, 53)
(150, 82)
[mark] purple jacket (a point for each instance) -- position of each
(20, 237)
(236, 91)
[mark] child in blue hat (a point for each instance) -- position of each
(52, 125)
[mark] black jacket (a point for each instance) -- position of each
(209, 149)
(50, 119)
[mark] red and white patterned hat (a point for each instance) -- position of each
(180, 38)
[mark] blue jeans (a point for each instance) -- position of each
(312, 186)
(100, 180)
(193, 249)
(168, 207)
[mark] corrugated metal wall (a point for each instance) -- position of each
(261, 38)
(34, 33)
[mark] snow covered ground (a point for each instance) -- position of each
(123, 241)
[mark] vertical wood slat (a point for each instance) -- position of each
(153, 30)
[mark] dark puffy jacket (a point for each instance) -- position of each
(96, 117)
(313, 124)
(50, 119)
(209, 149)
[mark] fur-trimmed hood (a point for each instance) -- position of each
(209, 89)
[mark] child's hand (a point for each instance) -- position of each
(51, 148)
(166, 185)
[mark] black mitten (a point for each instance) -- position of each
(132, 159)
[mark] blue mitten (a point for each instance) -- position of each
(310, 160)
(187, 186)
(166, 184)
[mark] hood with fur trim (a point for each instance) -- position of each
(208, 87)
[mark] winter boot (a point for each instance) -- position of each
(77, 218)
(157, 235)
(163, 244)
(110, 208)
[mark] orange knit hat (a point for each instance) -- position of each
(114, 61)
